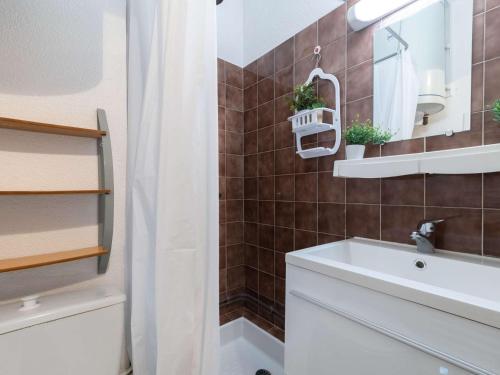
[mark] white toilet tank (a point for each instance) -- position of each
(74, 333)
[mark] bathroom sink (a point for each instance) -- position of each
(370, 307)
(463, 285)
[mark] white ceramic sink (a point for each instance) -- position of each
(463, 285)
(370, 307)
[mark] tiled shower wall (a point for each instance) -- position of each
(231, 171)
(235, 299)
(291, 203)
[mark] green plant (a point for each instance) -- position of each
(363, 132)
(496, 110)
(304, 97)
(359, 133)
(380, 136)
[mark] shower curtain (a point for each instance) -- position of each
(396, 95)
(172, 182)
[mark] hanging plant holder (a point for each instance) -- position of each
(314, 121)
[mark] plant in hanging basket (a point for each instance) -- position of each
(496, 110)
(305, 98)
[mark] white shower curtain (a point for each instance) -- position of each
(172, 198)
(396, 95)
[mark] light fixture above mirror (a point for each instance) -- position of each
(366, 12)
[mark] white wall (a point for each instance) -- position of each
(265, 25)
(269, 23)
(59, 61)
(230, 31)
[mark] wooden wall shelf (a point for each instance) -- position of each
(14, 264)
(38, 127)
(54, 192)
(105, 196)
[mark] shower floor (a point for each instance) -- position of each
(245, 349)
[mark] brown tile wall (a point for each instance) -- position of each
(291, 203)
(231, 172)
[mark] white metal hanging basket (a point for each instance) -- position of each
(311, 121)
(306, 117)
(314, 121)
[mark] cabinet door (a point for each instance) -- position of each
(321, 342)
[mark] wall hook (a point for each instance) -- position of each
(317, 54)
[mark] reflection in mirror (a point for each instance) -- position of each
(422, 69)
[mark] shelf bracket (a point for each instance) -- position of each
(106, 201)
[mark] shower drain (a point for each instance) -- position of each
(262, 372)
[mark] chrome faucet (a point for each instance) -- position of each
(425, 236)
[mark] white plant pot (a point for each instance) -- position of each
(355, 152)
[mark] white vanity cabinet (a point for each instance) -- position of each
(337, 325)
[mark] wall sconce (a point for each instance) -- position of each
(366, 12)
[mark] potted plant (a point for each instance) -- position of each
(305, 99)
(496, 110)
(361, 133)
(357, 136)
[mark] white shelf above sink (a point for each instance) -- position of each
(480, 159)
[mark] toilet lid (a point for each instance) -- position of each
(38, 310)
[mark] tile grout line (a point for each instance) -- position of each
(345, 114)
(482, 214)
(225, 183)
(257, 193)
(425, 195)
(274, 183)
(482, 124)
(380, 208)
(317, 161)
(294, 145)
(484, 72)
(243, 221)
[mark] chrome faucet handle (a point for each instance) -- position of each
(415, 235)
(425, 236)
(427, 227)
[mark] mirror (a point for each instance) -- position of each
(422, 69)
